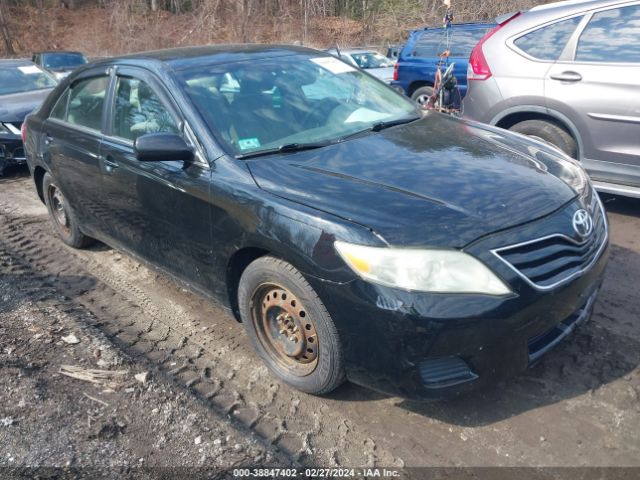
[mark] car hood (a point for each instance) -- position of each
(437, 181)
(16, 106)
(384, 73)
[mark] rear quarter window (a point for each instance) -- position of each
(547, 43)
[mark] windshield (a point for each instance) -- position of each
(23, 78)
(371, 60)
(263, 104)
(63, 60)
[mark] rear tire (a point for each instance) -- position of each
(62, 217)
(290, 327)
(421, 95)
(548, 132)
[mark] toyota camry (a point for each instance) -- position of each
(354, 235)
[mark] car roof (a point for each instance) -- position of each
(180, 58)
(58, 51)
(552, 11)
(15, 62)
(575, 5)
(469, 25)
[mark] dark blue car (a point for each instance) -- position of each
(418, 61)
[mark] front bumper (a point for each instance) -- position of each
(11, 151)
(429, 346)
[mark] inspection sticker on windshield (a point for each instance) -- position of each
(29, 69)
(333, 64)
(247, 143)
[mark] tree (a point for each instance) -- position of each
(4, 29)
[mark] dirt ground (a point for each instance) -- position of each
(208, 400)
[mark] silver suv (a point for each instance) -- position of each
(569, 74)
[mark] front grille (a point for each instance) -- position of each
(550, 261)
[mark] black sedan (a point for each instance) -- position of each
(354, 235)
(23, 87)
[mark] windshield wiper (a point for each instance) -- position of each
(392, 123)
(286, 148)
(376, 127)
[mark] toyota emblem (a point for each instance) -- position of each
(582, 223)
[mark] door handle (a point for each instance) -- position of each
(567, 76)
(109, 163)
(48, 139)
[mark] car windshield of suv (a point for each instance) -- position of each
(371, 60)
(63, 60)
(293, 101)
(23, 78)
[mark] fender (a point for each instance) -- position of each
(563, 119)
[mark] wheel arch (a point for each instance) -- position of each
(38, 177)
(237, 263)
(512, 116)
(416, 84)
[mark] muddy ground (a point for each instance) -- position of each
(208, 401)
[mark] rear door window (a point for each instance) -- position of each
(86, 102)
(547, 43)
(612, 36)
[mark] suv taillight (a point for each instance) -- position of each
(395, 72)
(478, 66)
(23, 132)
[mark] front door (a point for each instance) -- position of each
(157, 210)
(599, 90)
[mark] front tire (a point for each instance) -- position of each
(290, 327)
(62, 217)
(550, 133)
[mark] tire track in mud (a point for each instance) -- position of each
(214, 363)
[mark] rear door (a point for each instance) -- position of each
(598, 88)
(157, 210)
(72, 136)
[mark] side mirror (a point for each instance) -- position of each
(160, 147)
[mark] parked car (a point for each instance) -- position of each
(569, 74)
(369, 60)
(354, 234)
(59, 63)
(419, 59)
(23, 87)
(393, 52)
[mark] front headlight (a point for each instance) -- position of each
(433, 270)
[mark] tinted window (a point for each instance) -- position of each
(547, 43)
(428, 43)
(86, 102)
(60, 110)
(462, 41)
(23, 78)
(139, 111)
(612, 36)
(63, 60)
(459, 40)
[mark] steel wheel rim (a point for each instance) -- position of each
(59, 208)
(285, 329)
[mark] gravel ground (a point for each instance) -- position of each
(208, 401)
